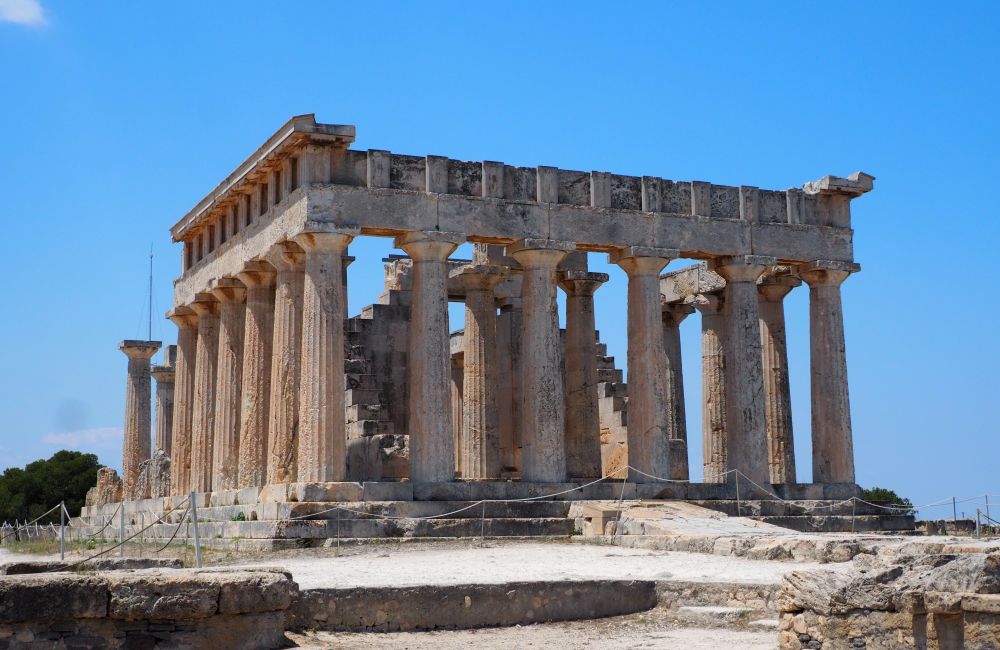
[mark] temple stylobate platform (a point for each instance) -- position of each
(274, 385)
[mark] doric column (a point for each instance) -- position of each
(322, 454)
(229, 379)
(673, 314)
(428, 366)
(542, 424)
(258, 330)
(509, 328)
(457, 373)
(713, 385)
(583, 416)
(648, 398)
(180, 437)
(746, 435)
(203, 409)
(165, 375)
(480, 439)
(283, 410)
(771, 290)
(832, 443)
(137, 417)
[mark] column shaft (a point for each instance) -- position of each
(583, 416)
(648, 406)
(428, 369)
(673, 315)
(543, 399)
(509, 329)
(258, 331)
(203, 409)
(713, 387)
(135, 448)
(164, 418)
(283, 410)
(833, 445)
(323, 434)
(187, 345)
(229, 380)
(777, 390)
(747, 448)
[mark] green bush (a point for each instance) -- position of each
(27, 493)
(887, 497)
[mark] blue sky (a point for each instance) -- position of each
(118, 117)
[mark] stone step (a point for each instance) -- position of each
(361, 380)
(363, 428)
(759, 507)
(609, 374)
(357, 366)
(715, 615)
(352, 528)
(361, 396)
(844, 523)
(605, 362)
(613, 389)
(360, 412)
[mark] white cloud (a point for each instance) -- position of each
(22, 12)
(103, 437)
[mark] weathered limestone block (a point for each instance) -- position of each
(27, 597)
(109, 487)
(154, 477)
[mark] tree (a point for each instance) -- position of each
(41, 485)
(887, 497)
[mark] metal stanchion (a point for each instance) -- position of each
(62, 531)
(197, 538)
(121, 532)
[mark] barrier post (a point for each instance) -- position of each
(197, 538)
(954, 509)
(121, 532)
(977, 522)
(739, 511)
(62, 531)
(987, 506)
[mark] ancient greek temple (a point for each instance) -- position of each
(272, 382)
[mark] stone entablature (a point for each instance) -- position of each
(305, 173)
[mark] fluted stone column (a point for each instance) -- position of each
(648, 398)
(137, 417)
(322, 455)
(229, 380)
(165, 376)
(509, 327)
(713, 385)
(480, 439)
(832, 442)
(673, 315)
(181, 434)
(543, 399)
(746, 445)
(258, 331)
(771, 291)
(432, 442)
(203, 409)
(457, 373)
(283, 409)
(583, 416)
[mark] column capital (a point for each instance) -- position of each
(675, 312)
(429, 245)
(205, 304)
(540, 253)
(139, 349)
(286, 256)
(775, 283)
(228, 290)
(741, 268)
(581, 283)
(826, 272)
(183, 317)
(163, 374)
(326, 240)
(478, 277)
(643, 259)
(257, 275)
(707, 303)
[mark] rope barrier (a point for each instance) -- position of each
(26, 526)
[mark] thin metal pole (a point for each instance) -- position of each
(739, 511)
(197, 538)
(150, 337)
(62, 531)
(482, 527)
(954, 509)
(987, 506)
(977, 522)
(121, 532)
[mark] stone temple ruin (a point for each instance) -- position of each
(274, 394)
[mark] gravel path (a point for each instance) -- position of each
(413, 564)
